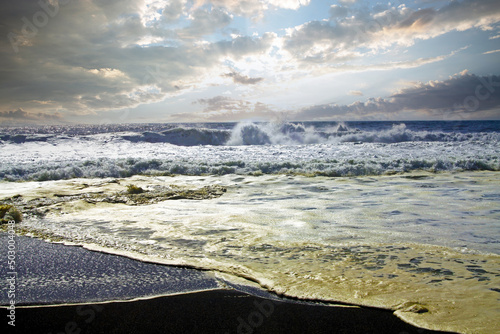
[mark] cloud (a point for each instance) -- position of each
(492, 51)
(461, 96)
(355, 93)
(173, 10)
(463, 92)
(254, 8)
(289, 4)
(20, 114)
(78, 58)
(223, 108)
(243, 45)
(347, 2)
(351, 29)
(205, 22)
(90, 57)
(223, 103)
(243, 79)
(337, 11)
(385, 66)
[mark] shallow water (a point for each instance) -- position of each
(428, 239)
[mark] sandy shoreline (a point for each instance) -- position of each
(155, 298)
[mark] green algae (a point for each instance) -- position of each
(9, 213)
(133, 189)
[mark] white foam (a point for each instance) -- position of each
(372, 240)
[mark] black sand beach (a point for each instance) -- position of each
(220, 311)
(76, 275)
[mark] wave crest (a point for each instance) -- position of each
(182, 137)
(246, 133)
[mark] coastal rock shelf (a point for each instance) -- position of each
(105, 192)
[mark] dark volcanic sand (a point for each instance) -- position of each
(54, 273)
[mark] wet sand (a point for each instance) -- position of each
(161, 299)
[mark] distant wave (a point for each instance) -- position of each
(250, 133)
(400, 133)
(247, 148)
(183, 137)
(246, 133)
(23, 138)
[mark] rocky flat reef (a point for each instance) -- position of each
(133, 191)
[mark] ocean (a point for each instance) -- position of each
(398, 215)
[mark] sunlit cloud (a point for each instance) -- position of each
(490, 52)
(14, 116)
(91, 57)
(356, 93)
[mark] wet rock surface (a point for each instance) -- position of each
(131, 195)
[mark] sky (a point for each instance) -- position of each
(127, 61)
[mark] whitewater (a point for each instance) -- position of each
(328, 148)
(399, 215)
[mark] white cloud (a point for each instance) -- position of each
(343, 35)
(489, 52)
(347, 2)
(205, 22)
(253, 8)
(289, 4)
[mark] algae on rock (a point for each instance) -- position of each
(133, 195)
(8, 213)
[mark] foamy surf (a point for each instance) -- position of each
(328, 149)
(422, 244)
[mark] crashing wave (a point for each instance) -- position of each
(250, 133)
(400, 133)
(247, 133)
(332, 149)
(182, 137)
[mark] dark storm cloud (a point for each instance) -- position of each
(20, 114)
(461, 95)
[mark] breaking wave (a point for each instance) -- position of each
(182, 137)
(330, 149)
(250, 133)
(298, 134)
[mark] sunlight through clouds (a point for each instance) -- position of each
(109, 52)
